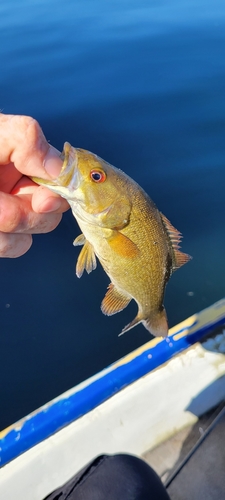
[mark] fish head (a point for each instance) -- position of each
(68, 180)
(91, 186)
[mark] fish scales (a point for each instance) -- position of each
(135, 244)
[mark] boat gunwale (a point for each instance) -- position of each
(78, 401)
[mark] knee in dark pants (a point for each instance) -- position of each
(113, 477)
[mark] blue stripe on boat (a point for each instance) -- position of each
(85, 397)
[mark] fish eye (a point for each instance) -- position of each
(98, 176)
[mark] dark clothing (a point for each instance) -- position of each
(113, 477)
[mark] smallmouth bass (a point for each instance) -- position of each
(136, 244)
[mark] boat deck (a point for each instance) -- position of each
(131, 407)
(192, 463)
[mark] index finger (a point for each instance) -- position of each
(23, 143)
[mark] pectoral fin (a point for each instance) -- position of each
(122, 245)
(114, 301)
(86, 259)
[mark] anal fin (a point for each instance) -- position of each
(114, 301)
(86, 260)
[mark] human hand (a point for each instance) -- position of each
(25, 207)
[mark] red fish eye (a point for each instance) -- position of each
(98, 176)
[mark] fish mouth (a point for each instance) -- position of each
(68, 179)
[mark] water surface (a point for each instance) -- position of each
(142, 85)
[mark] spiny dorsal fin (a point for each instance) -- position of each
(114, 301)
(173, 233)
(175, 237)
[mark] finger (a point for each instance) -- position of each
(43, 200)
(40, 223)
(17, 216)
(23, 143)
(9, 177)
(14, 245)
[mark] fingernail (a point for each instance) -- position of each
(52, 162)
(51, 204)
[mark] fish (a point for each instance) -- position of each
(121, 226)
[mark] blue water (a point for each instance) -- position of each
(142, 84)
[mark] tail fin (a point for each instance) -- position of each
(133, 323)
(156, 324)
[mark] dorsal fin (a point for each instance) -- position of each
(181, 258)
(175, 237)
